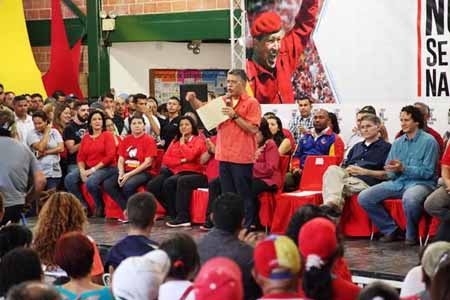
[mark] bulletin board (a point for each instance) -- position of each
(165, 83)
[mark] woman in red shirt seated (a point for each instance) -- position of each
(181, 173)
(136, 154)
(96, 162)
(266, 174)
(276, 128)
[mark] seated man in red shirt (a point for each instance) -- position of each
(277, 266)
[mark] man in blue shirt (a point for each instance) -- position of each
(410, 166)
(362, 168)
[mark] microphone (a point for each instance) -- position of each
(228, 100)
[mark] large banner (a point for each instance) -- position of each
(350, 51)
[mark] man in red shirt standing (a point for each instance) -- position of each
(236, 140)
(276, 54)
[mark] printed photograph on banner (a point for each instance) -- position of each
(282, 59)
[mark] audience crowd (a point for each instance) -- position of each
(59, 153)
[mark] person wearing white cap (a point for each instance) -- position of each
(139, 277)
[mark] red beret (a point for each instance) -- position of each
(265, 23)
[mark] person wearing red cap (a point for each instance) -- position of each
(277, 265)
(220, 278)
(318, 247)
(276, 55)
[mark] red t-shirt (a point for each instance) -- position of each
(234, 144)
(135, 150)
(446, 158)
(101, 149)
(286, 296)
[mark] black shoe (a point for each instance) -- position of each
(178, 223)
(331, 210)
(99, 212)
(207, 226)
(397, 235)
(412, 242)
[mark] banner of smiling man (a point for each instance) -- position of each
(350, 53)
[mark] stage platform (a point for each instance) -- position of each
(368, 260)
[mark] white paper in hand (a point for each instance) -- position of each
(211, 113)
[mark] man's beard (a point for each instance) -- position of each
(81, 119)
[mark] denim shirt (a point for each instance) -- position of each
(419, 157)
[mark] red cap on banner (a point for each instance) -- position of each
(265, 23)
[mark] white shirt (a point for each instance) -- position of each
(24, 127)
(148, 127)
(174, 289)
(413, 284)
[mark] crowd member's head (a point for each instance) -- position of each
(49, 110)
(28, 97)
(440, 289)
(186, 127)
(120, 105)
(267, 35)
(140, 101)
(108, 101)
(370, 126)
(277, 265)
(301, 216)
(131, 105)
(304, 105)
(334, 123)
(139, 277)
(184, 258)
(228, 212)
(137, 124)
(193, 116)
(173, 107)
(153, 104)
(9, 99)
(17, 266)
(362, 112)
(431, 258)
(32, 290)
(236, 82)
(162, 110)
(219, 278)
(411, 119)
(269, 114)
(7, 122)
(425, 110)
(378, 290)
(263, 133)
(20, 106)
(40, 121)
(96, 121)
(321, 120)
(276, 129)
(61, 213)
(318, 247)
(74, 253)
(59, 96)
(82, 111)
(37, 102)
(63, 116)
(2, 93)
(14, 236)
(110, 126)
(141, 210)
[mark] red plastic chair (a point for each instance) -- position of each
(112, 209)
(354, 221)
(88, 198)
(267, 200)
(310, 192)
(199, 205)
(160, 211)
(156, 164)
(395, 209)
(433, 228)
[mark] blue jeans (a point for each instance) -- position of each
(52, 183)
(413, 197)
(237, 178)
(93, 184)
(121, 195)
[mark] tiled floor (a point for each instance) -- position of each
(365, 258)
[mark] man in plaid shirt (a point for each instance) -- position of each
(303, 122)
